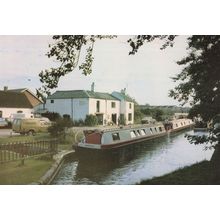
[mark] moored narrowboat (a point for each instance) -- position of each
(122, 136)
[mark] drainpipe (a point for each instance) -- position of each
(72, 108)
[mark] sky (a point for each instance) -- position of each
(146, 75)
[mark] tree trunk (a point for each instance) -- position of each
(215, 166)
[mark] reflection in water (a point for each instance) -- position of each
(131, 164)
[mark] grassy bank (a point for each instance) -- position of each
(197, 174)
(13, 173)
(62, 145)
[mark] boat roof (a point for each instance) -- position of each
(108, 128)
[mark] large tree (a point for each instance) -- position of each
(66, 50)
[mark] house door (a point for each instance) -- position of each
(100, 118)
(114, 118)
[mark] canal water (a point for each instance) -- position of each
(130, 165)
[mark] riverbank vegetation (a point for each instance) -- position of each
(202, 173)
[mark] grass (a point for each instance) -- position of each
(14, 174)
(197, 174)
(25, 138)
(62, 145)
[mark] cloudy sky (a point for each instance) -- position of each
(146, 75)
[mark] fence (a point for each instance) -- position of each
(20, 151)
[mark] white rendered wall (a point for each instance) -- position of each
(7, 112)
(105, 108)
(76, 108)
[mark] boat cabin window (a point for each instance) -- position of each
(181, 123)
(177, 125)
(138, 133)
(132, 133)
(160, 129)
(151, 130)
(143, 132)
(115, 136)
(155, 129)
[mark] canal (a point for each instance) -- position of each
(130, 165)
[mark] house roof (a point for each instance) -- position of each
(10, 99)
(17, 90)
(124, 96)
(81, 94)
(33, 99)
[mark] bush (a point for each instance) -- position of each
(58, 128)
(53, 116)
(91, 120)
(122, 119)
(79, 122)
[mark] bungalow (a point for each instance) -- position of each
(109, 108)
(17, 101)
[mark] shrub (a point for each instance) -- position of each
(53, 116)
(122, 119)
(58, 128)
(91, 120)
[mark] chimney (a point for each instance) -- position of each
(5, 88)
(123, 91)
(93, 87)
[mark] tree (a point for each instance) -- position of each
(58, 128)
(67, 50)
(91, 120)
(158, 114)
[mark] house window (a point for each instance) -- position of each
(130, 117)
(113, 104)
(130, 105)
(52, 101)
(98, 106)
(115, 136)
(1, 113)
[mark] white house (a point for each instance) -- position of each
(79, 103)
(126, 106)
(17, 101)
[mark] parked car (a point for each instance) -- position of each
(31, 126)
(3, 123)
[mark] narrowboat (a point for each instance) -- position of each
(126, 135)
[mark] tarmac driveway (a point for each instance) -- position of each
(7, 133)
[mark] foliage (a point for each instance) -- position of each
(52, 116)
(137, 41)
(158, 114)
(66, 50)
(91, 120)
(58, 128)
(199, 81)
(79, 122)
(138, 115)
(122, 119)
